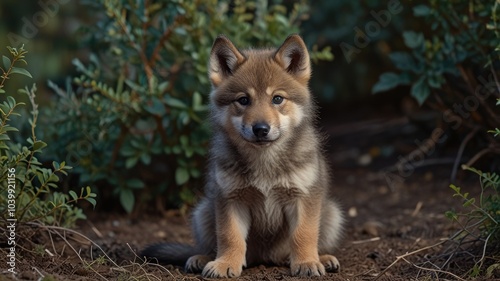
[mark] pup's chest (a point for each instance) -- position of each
(290, 182)
(268, 211)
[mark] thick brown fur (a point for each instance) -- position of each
(268, 197)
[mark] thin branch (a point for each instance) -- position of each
(164, 37)
(420, 164)
(402, 257)
(495, 73)
(481, 154)
(433, 270)
(121, 22)
(460, 153)
(119, 142)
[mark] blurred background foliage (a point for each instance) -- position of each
(125, 105)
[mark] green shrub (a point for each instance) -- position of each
(133, 122)
(461, 38)
(28, 188)
(452, 62)
(480, 223)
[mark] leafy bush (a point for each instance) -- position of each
(28, 189)
(453, 68)
(453, 63)
(133, 121)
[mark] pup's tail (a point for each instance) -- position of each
(169, 253)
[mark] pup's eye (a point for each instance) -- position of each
(243, 101)
(277, 99)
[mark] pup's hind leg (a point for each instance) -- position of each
(330, 234)
(331, 263)
(197, 263)
(203, 227)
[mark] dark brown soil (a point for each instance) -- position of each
(385, 219)
(382, 223)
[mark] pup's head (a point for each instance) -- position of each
(260, 95)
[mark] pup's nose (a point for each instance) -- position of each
(260, 129)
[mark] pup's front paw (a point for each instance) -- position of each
(197, 263)
(311, 268)
(330, 262)
(222, 269)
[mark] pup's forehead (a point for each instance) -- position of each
(269, 91)
(259, 72)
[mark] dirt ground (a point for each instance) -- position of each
(385, 220)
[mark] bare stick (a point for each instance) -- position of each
(420, 164)
(481, 154)
(460, 152)
(417, 208)
(80, 257)
(64, 230)
(366, 240)
(433, 270)
(398, 258)
(147, 263)
(495, 74)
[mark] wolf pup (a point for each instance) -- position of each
(268, 191)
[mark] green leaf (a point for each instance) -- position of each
(451, 215)
(475, 271)
(89, 191)
(491, 269)
(495, 132)
(455, 188)
(181, 175)
(9, 129)
(471, 169)
(173, 102)
(403, 61)
(130, 162)
(412, 39)
(387, 81)
(38, 145)
(91, 201)
(135, 183)
(198, 105)
(155, 107)
(421, 10)
(420, 90)
(6, 62)
(469, 202)
(146, 158)
(163, 86)
(53, 178)
(21, 71)
(73, 195)
(127, 199)
(195, 173)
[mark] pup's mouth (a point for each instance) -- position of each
(262, 142)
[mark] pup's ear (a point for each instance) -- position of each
(224, 59)
(294, 58)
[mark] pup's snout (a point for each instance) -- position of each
(260, 129)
